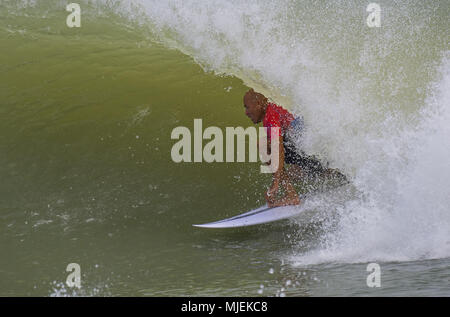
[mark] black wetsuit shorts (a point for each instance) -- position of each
(309, 163)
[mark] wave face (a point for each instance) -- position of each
(86, 147)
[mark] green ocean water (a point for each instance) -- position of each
(86, 174)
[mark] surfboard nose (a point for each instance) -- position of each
(255, 217)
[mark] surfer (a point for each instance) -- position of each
(258, 108)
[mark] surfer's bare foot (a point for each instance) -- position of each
(285, 201)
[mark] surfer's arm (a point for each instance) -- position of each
(277, 176)
(278, 173)
(281, 177)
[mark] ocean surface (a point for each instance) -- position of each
(87, 177)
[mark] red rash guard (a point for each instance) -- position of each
(276, 116)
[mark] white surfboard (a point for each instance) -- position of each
(265, 214)
(257, 216)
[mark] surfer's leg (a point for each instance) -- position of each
(286, 182)
(293, 163)
(302, 168)
(295, 172)
(290, 197)
(335, 176)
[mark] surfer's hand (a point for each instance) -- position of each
(271, 194)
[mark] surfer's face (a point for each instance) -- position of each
(253, 109)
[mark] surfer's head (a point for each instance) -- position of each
(255, 105)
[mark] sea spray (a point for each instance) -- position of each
(362, 91)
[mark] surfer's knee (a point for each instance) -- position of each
(295, 172)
